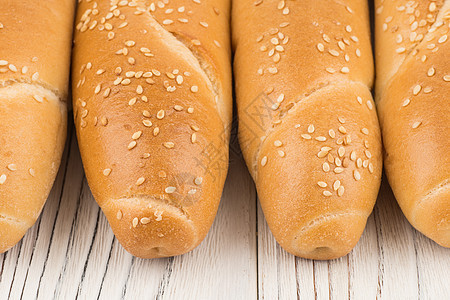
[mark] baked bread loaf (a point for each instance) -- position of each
(152, 105)
(412, 91)
(35, 44)
(307, 122)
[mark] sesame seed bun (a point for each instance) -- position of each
(152, 106)
(412, 94)
(35, 42)
(308, 125)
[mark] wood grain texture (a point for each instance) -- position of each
(71, 253)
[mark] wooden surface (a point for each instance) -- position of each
(71, 253)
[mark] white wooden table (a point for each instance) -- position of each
(71, 253)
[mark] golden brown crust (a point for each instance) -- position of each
(152, 110)
(33, 116)
(308, 126)
(414, 112)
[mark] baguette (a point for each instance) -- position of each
(35, 44)
(307, 122)
(152, 107)
(412, 92)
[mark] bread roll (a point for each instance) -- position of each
(35, 44)
(308, 126)
(152, 105)
(413, 86)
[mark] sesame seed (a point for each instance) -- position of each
(367, 153)
(341, 151)
(322, 154)
(277, 143)
(132, 101)
(359, 99)
(145, 220)
(198, 180)
(356, 175)
(342, 129)
(160, 114)
(3, 63)
(345, 70)
(155, 131)
(353, 155)
(332, 133)
(338, 162)
(170, 189)
(146, 113)
(38, 98)
(132, 145)
(359, 163)
(135, 222)
(417, 89)
(327, 193)
(32, 172)
(193, 137)
(322, 184)
(190, 110)
(194, 89)
(12, 67)
(35, 76)
(147, 123)
(12, 167)
(306, 136)
(446, 78)
(321, 138)
(338, 170)
(106, 172)
(137, 135)
(281, 153)
(341, 120)
(406, 102)
(369, 104)
(370, 167)
(98, 88)
(415, 125)
(365, 163)
(333, 52)
(119, 215)
(140, 181)
(340, 191)
(320, 47)
(311, 128)
(442, 39)
(400, 50)
(169, 145)
(2, 179)
(336, 185)
(358, 52)
(264, 161)
(325, 167)
(348, 28)
(330, 70)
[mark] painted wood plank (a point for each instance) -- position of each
(276, 268)
(363, 264)
(305, 278)
(80, 243)
(98, 259)
(433, 266)
(338, 275)
(398, 278)
(56, 260)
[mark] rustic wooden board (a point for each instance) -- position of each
(71, 253)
